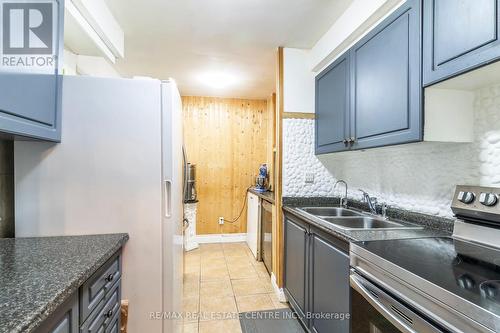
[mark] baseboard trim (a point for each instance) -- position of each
(277, 290)
(191, 246)
(221, 238)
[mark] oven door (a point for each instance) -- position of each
(375, 311)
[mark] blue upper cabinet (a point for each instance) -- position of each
(30, 71)
(459, 35)
(372, 95)
(332, 107)
(386, 90)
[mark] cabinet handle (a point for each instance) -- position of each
(108, 314)
(351, 140)
(110, 277)
(167, 204)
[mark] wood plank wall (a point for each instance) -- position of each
(227, 140)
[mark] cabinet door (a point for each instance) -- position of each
(64, 320)
(386, 82)
(332, 107)
(330, 289)
(30, 80)
(295, 265)
(458, 35)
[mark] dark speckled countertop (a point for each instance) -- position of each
(38, 274)
(268, 195)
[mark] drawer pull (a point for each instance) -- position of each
(110, 277)
(108, 314)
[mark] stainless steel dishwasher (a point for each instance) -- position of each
(266, 236)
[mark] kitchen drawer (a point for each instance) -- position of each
(114, 324)
(106, 314)
(94, 290)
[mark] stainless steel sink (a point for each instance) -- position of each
(365, 222)
(330, 211)
(349, 219)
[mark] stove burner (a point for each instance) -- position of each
(490, 289)
(446, 257)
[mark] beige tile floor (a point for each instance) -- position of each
(220, 281)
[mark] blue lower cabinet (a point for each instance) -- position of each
(101, 315)
(64, 319)
(106, 316)
(329, 281)
(316, 276)
(295, 269)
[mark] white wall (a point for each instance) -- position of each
(298, 81)
(419, 177)
(75, 64)
(100, 17)
(69, 62)
(95, 66)
(352, 25)
(449, 115)
(301, 66)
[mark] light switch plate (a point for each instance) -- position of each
(309, 178)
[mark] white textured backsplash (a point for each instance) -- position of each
(420, 177)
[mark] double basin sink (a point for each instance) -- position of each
(349, 219)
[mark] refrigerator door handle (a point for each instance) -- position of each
(167, 204)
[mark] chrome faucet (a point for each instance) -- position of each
(384, 211)
(343, 200)
(372, 202)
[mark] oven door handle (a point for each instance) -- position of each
(419, 324)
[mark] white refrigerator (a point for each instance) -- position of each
(117, 169)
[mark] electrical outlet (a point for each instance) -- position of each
(221, 220)
(309, 179)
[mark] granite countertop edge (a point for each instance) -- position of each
(268, 195)
(66, 291)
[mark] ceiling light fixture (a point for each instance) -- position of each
(218, 80)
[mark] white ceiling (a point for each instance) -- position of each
(184, 39)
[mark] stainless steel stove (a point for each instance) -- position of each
(442, 284)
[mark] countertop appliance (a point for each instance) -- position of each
(190, 194)
(262, 179)
(266, 234)
(117, 169)
(442, 284)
